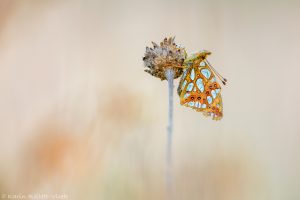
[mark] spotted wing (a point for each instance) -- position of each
(199, 90)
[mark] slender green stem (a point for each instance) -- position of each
(169, 177)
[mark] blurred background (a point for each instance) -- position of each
(80, 117)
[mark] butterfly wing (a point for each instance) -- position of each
(199, 90)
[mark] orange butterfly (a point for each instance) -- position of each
(198, 88)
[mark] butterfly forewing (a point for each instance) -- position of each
(199, 90)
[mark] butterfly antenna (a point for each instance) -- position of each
(224, 80)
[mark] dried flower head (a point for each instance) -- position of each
(165, 56)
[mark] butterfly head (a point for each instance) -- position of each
(202, 54)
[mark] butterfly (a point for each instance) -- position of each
(198, 87)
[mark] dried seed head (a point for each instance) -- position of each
(164, 56)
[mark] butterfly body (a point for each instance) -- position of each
(198, 88)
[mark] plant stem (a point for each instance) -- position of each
(169, 178)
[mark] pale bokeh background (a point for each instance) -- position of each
(80, 117)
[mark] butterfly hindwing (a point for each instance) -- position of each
(199, 90)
